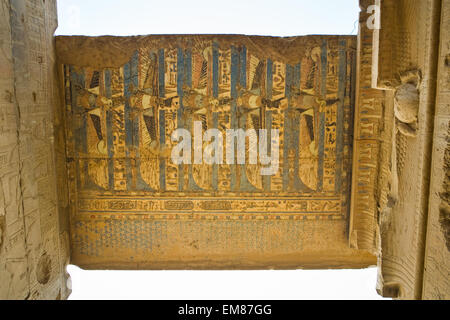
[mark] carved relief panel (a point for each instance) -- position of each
(294, 94)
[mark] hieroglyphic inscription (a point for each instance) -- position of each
(32, 258)
(155, 205)
(366, 149)
(120, 122)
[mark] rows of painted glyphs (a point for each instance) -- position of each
(121, 121)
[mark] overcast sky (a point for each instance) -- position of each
(253, 17)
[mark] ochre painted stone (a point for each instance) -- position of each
(132, 207)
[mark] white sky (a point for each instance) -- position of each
(224, 285)
(254, 17)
